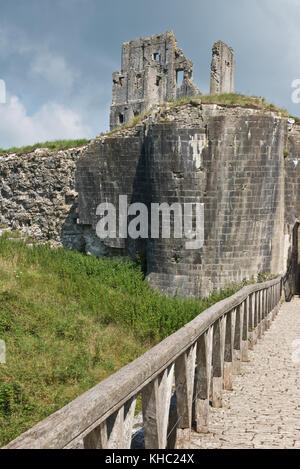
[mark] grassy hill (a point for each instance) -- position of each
(69, 321)
(55, 145)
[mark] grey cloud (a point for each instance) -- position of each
(63, 52)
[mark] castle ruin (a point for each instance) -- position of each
(241, 162)
(222, 69)
(154, 71)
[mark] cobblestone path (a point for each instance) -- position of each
(263, 410)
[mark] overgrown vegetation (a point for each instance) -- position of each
(226, 99)
(55, 145)
(69, 321)
(233, 99)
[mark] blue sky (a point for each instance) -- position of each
(57, 56)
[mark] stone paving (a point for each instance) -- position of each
(263, 410)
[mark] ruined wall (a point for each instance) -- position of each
(232, 160)
(149, 76)
(233, 163)
(243, 164)
(38, 198)
(222, 69)
(292, 206)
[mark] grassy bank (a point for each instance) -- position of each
(233, 100)
(225, 99)
(71, 320)
(53, 145)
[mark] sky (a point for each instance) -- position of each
(57, 56)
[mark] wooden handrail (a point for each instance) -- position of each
(214, 342)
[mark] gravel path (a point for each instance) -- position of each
(263, 411)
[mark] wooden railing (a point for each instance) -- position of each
(289, 280)
(193, 365)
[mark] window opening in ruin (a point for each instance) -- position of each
(121, 118)
(156, 57)
(158, 81)
(179, 77)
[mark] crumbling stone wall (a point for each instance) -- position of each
(149, 75)
(38, 198)
(222, 69)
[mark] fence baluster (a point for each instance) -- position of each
(156, 398)
(109, 434)
(251, 322)
(203, 360)
(236, 364)
(244, 349)
(228, 354)
(218, 361)
(184, 384)
(259, 314)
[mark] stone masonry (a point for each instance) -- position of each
(38, 198)
(149, 75)
(222, 69)
(230, 159)
(241, 163)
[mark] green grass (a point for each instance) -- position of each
(55, 145)
(71, 320)
(232, 100)
(226, 99)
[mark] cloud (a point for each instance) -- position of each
(51, 122)
(61, 70)
(54, 69)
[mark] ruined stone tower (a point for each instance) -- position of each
(151, 74)
(222, 69)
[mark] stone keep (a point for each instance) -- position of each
(150, 74)
(222, 69)
(231, 159)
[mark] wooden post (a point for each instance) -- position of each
(184, 384)
(264, 312)
(203, 360)
(255, 318)
(268, 309)
(259, 313)
(129, 409)
(236, 364)
(217, 361)
(115, 432)
(274, 303)
(251, 327)
(156, 398)
(228, 353)
(265, 309)
(269, 296)
(244, 346)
